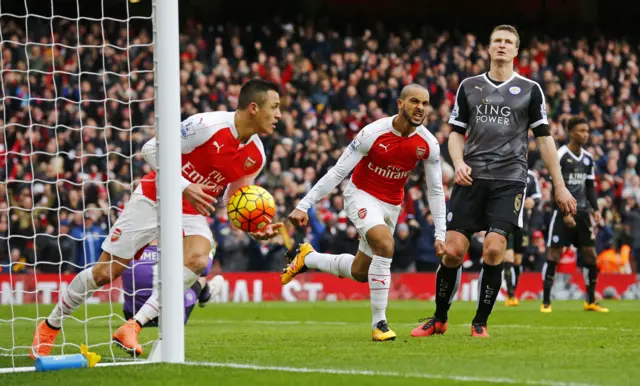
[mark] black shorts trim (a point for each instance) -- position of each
(487, 204)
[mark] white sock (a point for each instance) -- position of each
(71, 298)
(338, 265)
(151, 308)
(379, 283)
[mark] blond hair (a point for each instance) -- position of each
(508, 28)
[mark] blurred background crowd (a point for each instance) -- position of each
(75, 116)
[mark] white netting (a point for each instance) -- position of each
(77, 105)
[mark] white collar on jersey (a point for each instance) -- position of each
(396, 132)
(575, 157)
(232, 124)
(501, 84)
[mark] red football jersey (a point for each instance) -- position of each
(388, 159)
(382, 161)
(213, 156)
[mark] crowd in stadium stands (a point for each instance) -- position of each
(74, 123)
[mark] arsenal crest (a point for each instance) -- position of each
(362, 213)
(248, 164)
(115, 235)
(420, 152)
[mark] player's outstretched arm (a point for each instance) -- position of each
(549, 154)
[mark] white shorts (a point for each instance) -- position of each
(137, 226)
(366, 211)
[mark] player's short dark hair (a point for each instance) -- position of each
(255, 90)
(575, 121)
(406, 89)
(508, 28)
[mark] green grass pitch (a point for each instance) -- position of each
(328, 343)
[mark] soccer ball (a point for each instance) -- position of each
(251, 208)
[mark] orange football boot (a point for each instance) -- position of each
(479, 331)
(127, 337)
(43, 340)
(430, 327)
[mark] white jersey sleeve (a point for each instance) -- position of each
(195, 131)
(435, 190)
(248, 179)
(357, 149)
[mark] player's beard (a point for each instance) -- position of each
(409, 117)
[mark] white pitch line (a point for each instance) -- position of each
(245, 366)
(331, 323)
(462, 378)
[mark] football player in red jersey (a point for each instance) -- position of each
(382, 157)
(219, 149)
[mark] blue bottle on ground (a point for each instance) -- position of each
(60, 362)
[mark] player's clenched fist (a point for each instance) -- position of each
(463, 175)
(198, 197)
(299, 218)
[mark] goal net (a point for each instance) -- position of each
(77, 92)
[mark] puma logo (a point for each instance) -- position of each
(479, 88)
(217, 145)
(385, 147)
(383, 281)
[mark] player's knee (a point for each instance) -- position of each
(101, 275)
(494, 248)
(456, 249)
(196, 261)
(108, 269)
(382, 246)
(589, 256)
(453, 259)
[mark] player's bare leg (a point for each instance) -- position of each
(591, 278)
(196, 257)
(517, 267)
(493, 249)
(517, 270)
(106, 270)
(548, 276)
(510, 277)
(376, 270)
(447, 284)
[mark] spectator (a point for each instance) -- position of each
(406, 238)
(84, 157)
(632, 225)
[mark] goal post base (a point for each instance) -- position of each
(155, 355)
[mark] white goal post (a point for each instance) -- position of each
(78, 88)
(171, 333)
